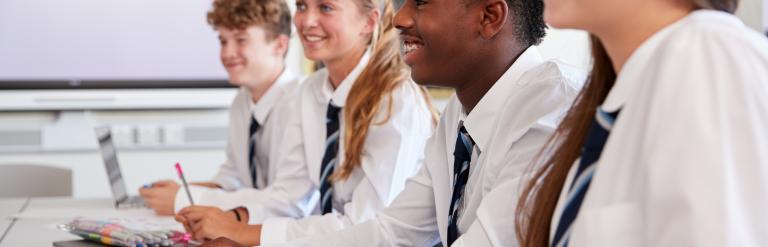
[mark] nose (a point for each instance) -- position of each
(305, 19)
(403, 17)
(227, 51)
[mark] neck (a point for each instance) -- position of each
(485, 73)
(340, 68)
(259, 89)
(624, 36)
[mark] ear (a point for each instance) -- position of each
(495, 14)
(281, 45)
(371, 21)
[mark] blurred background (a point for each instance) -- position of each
(150, 70)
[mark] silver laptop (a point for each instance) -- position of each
(109, 153)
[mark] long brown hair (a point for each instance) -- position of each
(384, 73)
(537, 203)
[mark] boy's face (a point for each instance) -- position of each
(438, 39)
(248, 56)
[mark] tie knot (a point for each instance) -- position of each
(254, 125)
(464, 143)
(333, 111)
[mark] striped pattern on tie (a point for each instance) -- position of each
(252, 151)
(329, 157)
(590, 153)
(462, 154)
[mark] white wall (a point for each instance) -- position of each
(754, 13)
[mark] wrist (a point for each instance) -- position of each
(249, 235)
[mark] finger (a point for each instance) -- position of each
(163, 183)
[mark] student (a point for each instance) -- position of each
(507, 103)
(254, 37)
(676, 111)
(362, 125)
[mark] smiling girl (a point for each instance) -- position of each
(361, 125)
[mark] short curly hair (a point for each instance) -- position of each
(272, 15)
(529, 17)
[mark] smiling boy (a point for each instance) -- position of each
(254, 37)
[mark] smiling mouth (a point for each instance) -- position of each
(313, 38)
(411, 46)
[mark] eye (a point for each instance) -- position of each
(325, 8)
(301, 6)
(241, 40)
(419, 2)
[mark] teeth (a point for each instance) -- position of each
(313, 38)
(410, 47)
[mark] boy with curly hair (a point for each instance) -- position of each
(254, 36)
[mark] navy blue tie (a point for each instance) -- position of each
(590, 153)
(252, 150)
(462, 154)
(329, 157)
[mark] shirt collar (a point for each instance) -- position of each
(267, 102)
(477, 122)
(339, 96)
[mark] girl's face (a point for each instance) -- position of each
(331, 29)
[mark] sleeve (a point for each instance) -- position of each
(227, 177)
(291, 194)
(393, 152)
(705, 145)
(409, 221)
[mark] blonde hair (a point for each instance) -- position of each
(384, 72)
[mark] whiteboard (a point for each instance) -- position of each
(107, 40)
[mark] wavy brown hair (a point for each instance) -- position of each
(272, 15)
(384, 73)
(540, 195)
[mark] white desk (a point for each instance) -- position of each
(42, 230)
(9, 207)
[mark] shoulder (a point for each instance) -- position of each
(313, 80)
(555, 74)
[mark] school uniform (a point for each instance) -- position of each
(500, 136)
(393, 151)
(240, 183)
(684, 161)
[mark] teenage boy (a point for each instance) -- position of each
(254, 37)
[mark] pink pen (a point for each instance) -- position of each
(184, 181)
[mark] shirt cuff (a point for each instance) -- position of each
(275, 231)
(182, 200)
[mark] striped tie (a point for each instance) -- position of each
(252, 151)
(590, 153)
(329, 157)
(462, 154)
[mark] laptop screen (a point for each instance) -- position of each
(109, 153)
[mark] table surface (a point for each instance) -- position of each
(8, 207)
(43, 231)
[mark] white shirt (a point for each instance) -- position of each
(392, 152)
(686, 162)
(509, 125)
(272, 112)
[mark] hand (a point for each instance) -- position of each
(206, 223)
(211, 185)
(161, 196)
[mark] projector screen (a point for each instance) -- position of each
(54, 44)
